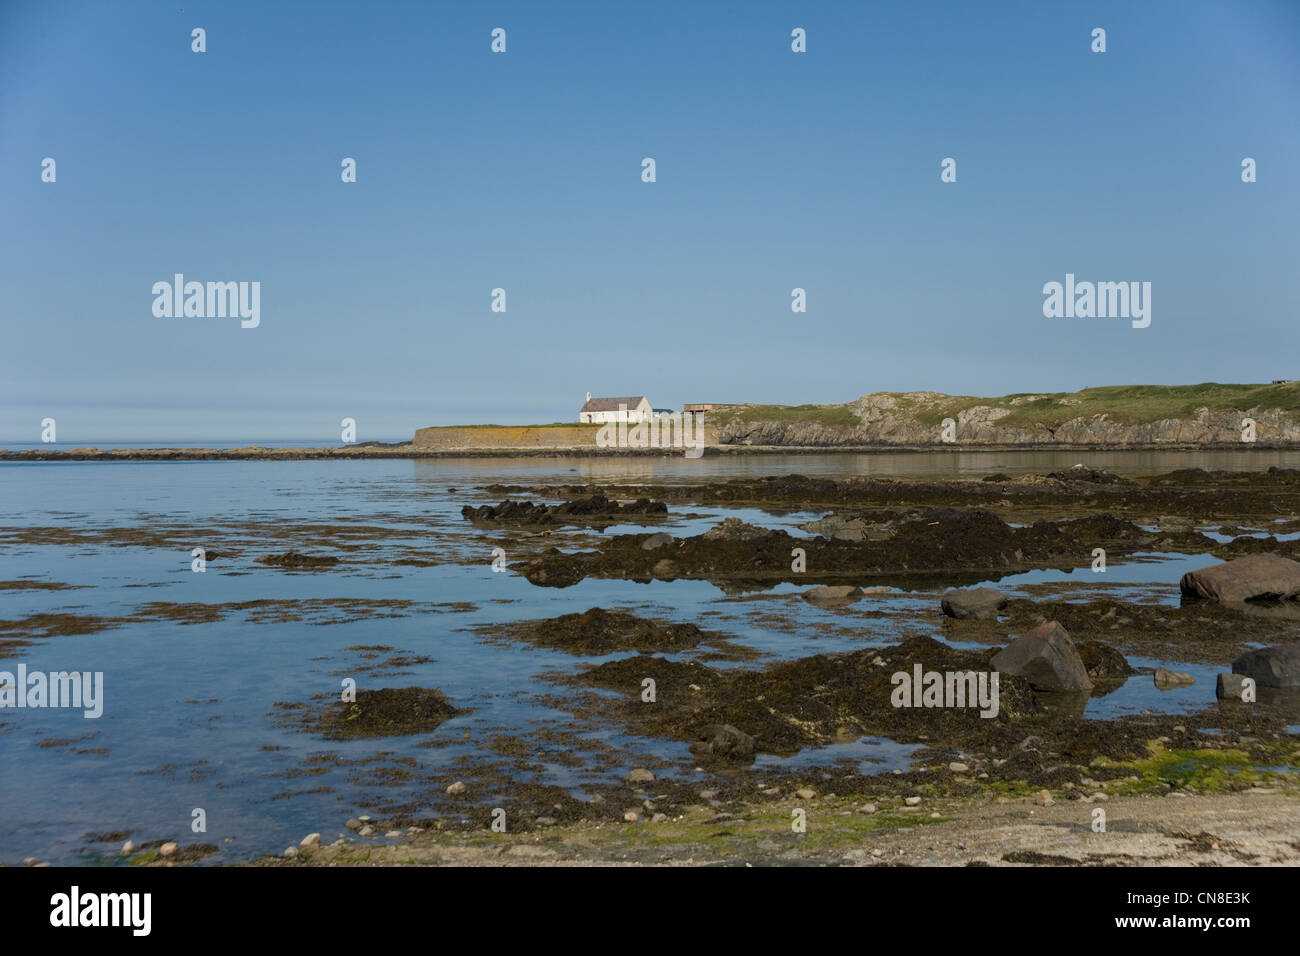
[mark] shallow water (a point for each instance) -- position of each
(188, 707)
(967, 461)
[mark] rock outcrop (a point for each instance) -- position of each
(915, 418)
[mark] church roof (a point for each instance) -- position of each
(611, 404)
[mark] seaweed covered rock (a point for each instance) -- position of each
(1103, 662)
(598, 631)
(596, 509)
(387, 712)
(978, 603)
(296, 559)
(722, 740)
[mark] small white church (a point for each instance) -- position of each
(600, 411)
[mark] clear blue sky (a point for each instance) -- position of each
(523, 171)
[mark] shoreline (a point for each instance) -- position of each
(411, 451)
(947, 791)
(1248, 828)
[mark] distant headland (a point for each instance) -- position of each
(1112, 417)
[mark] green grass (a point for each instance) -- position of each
(1015, 789)
(1123, 404)
(1206, 771)
(550, 425)
(826, 829)
(816, 414)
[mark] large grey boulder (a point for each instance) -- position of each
(1277, 666)
(979, 603)
(1047, 658)
(1254, 577)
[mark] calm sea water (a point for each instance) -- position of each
(187, 713)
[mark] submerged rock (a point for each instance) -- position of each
(386, 712)
(296, 559)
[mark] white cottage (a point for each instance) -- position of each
(600, 411)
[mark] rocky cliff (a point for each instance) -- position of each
(926, 418)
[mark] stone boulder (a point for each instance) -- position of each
(1047, 658)
(978, 603)
(1277, 666)
(1254, 577)
(832, 594)
(1230, 687)
(1165, 679)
